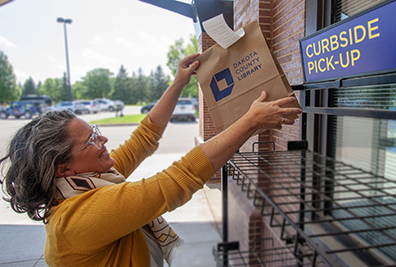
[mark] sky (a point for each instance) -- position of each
(103, 34)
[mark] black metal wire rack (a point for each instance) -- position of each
(328, 212)
(228, 254)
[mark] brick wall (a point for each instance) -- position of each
(246, 11)
(287, 29)
(282, 23)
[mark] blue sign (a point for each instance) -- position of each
(220, 94)
(362, 44)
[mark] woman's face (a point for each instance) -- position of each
(90, 158)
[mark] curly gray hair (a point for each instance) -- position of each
(34, 155)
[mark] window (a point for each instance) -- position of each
(343, 123)
(366, 142)
(345, 8)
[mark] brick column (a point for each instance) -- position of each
(282, 23)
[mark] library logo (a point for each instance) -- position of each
(220, 93)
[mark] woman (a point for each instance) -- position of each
(60, 172)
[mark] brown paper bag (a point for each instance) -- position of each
(231, 79)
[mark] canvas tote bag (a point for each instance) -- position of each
(231, 79)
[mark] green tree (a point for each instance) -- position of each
(159, 83)
(9, 91)
(79, 90)
(140, 87)
(38, 87)
(98, 83)
(52, 87)
(122, 87)
(133, 84)
(176, 53)
(29, 87)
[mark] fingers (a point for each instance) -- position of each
(189, 63)
(189, 59)
(193, 56)
(284, 111)
(193, 66)
(286, 100)
(287, 121)
(186, 68)
(263, 96)
(280, 102)
(289, 112)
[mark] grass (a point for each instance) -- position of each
(136, 118)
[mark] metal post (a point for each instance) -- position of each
(67, 64)
(67, 21)
(224, 193)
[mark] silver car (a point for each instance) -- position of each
(67, 105)
(184, 110)
(90, 106)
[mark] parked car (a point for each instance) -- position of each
(106, 104)
(184, 110)
(67, 105)
(195, 102)
(90, 106)
(37, 98)
(98, 104)
(40, 101)
(19, 109)
(146, 109)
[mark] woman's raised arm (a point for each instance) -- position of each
(261, 116)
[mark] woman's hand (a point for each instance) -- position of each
(162, 111)
(185, 69)
(271, 115)
(261, 116)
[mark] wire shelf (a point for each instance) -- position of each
(228, 254)
(313, 199)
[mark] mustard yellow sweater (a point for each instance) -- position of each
(102, 227)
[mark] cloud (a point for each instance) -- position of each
(101, 59)
(97, 40)
(51, 58)
(145, 36)
(124, 42)
(5, 42)
(21, 75)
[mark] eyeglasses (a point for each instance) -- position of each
(93, 139)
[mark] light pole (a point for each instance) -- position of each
(66, 21)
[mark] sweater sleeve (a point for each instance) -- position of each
(142, 144)
(117, 210)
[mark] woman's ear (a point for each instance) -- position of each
(64, 171)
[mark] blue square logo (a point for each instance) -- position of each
(220, 93)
